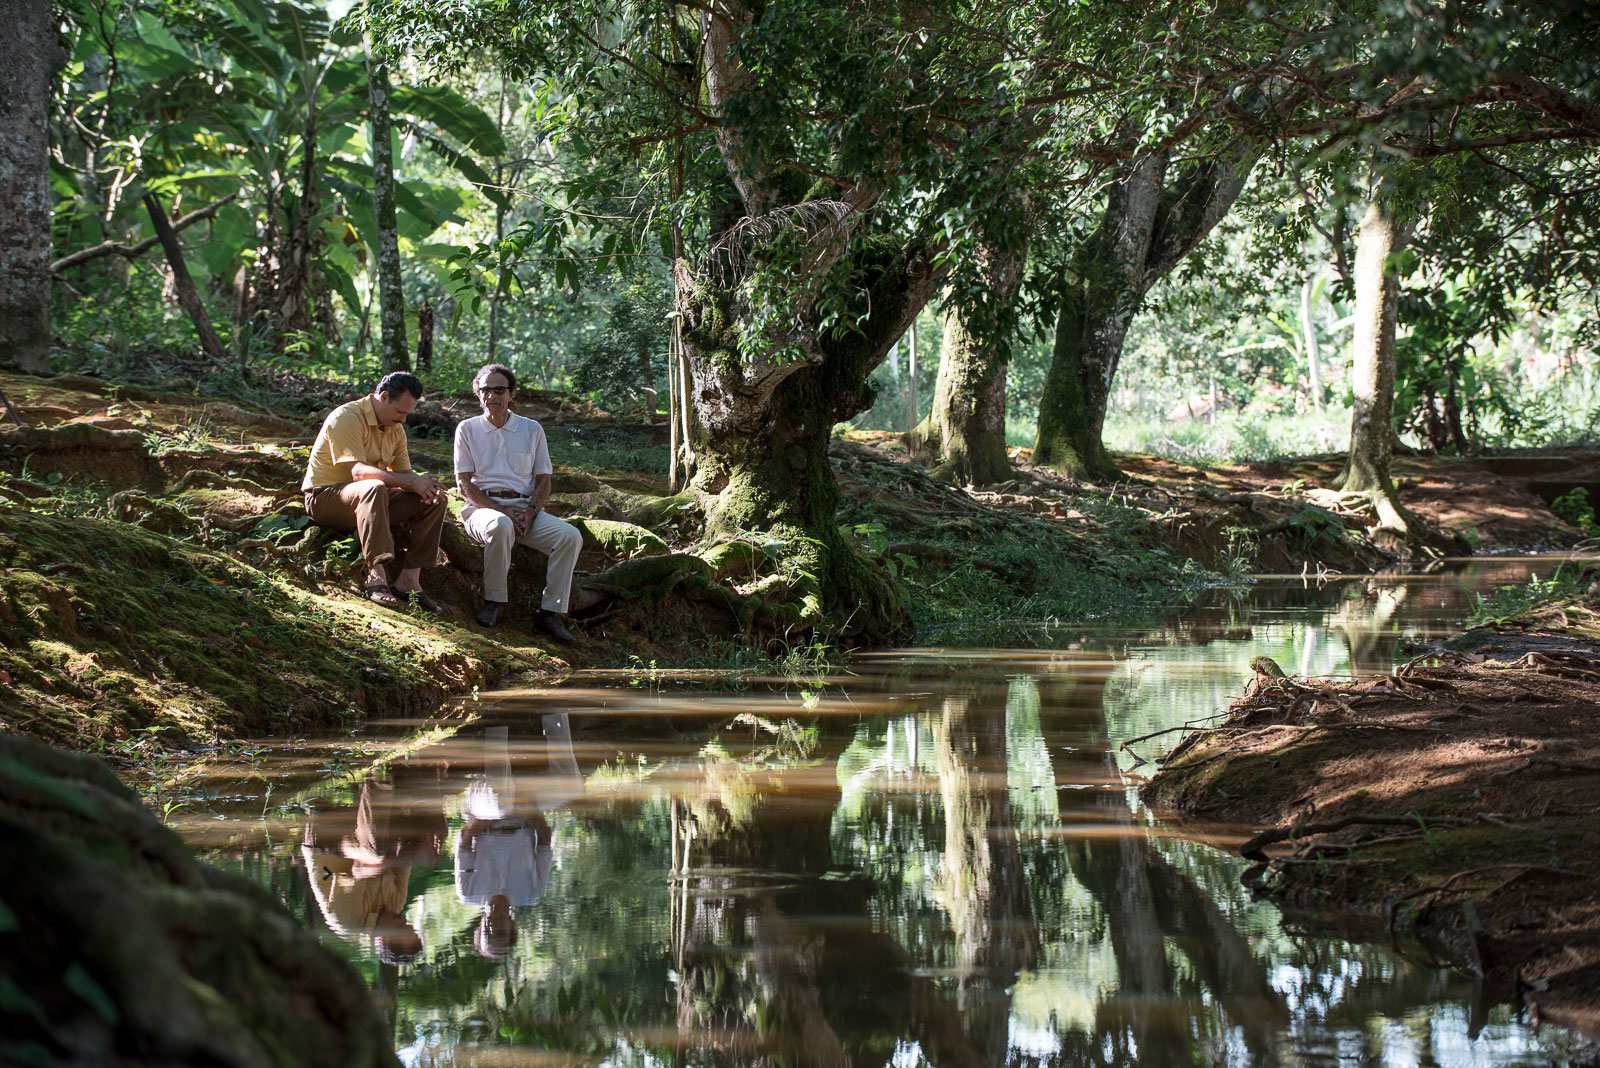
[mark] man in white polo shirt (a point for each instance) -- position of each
(503, 472)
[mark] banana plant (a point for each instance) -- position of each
(261, 99)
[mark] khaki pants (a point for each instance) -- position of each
(494, 530)
(391, 524)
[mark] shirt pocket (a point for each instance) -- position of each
(522, 464)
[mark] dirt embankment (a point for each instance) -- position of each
(1455, 802)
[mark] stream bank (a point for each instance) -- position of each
(162, 578)
(1449, 803)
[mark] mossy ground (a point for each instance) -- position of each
(108, 629)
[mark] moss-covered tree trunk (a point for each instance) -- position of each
(783, 317)
(391, 289)
(761, 431)
(1149, 225)
(28, 57)
(1072, 407)
(965, 430)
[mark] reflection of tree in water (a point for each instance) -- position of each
(1367, 620)
(983, 884)
(777, 956)
(1145, 902)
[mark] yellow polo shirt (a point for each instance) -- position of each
(350, 435)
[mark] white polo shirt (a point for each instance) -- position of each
(504, 457)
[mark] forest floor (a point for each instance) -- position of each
(1453, 804)
(163, 585)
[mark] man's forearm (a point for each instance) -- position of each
(360, 472)
(541, 492)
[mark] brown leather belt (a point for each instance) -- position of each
(503, 495)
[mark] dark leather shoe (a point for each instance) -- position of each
(550, 625)
(489, 614)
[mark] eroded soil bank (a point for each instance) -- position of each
(1451, 803)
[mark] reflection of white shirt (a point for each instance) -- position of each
(507, 860)
(502, 457)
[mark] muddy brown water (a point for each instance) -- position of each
(936, 856)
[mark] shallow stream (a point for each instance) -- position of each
(935, 857)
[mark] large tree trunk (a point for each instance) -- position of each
(761, 432)
(966, 427)
(1148, 227)
(1104, 286)
(778, 348)
(391, 290)
(1377, 299)
(1372, 430)
(29, 54)
(1072, 406)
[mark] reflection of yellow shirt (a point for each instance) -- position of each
(351, 905)
(349, 435)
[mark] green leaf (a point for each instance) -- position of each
(465, 165)
(231, 235)
(302, 33)
(452, 113)
(81, 983)
(249, 50)
(344, 285)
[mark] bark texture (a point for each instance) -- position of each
(391, 289)
(1377, 298)
(1152, 220)
(966, 427)
(29, 54)
(761, 433)
(792, 306)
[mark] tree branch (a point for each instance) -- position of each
(1555, 102)
(108, 248)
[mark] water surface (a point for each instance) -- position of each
(937, 856)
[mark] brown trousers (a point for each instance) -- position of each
(383, 519)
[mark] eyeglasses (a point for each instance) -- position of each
(493, 391)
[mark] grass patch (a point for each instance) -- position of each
(1233, 437)
(1506, 604)
(107, 629)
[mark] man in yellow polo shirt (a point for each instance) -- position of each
(360, 479)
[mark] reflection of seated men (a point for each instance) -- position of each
(359, 873)
(503, 855)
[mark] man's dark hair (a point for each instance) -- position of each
(495, 368)
(398, 383)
